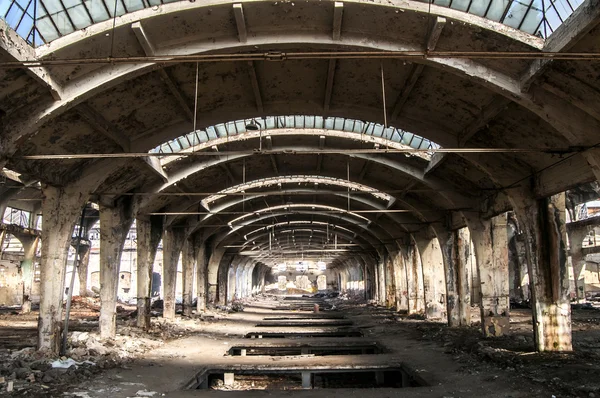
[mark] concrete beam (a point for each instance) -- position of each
(329, 85)
(581, 22)
(149, 50)
(487, 114)
(436, 161)
(255, 87)
(13, 47)
(338, 13)
(153, 164)
(274, 164)
(101, 125)
(240, 22)
(573, 91)
(417, 70)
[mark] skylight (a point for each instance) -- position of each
(200, 138)
(57, 18)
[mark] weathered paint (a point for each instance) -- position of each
(149, 234)
(115, 223)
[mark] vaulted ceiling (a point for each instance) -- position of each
(133, 84)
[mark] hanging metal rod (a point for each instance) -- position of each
(279, 192)
(232, 213)
(285, 56)
(558, 151)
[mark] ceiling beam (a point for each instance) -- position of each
(574, 91)
(338, 14)
(364, 170)
(436, 161)
(274, 164)
(154, 165)
(255, 87)
(240, 21)
(329, 85)
(487, 114)
(432, 40)
(581, 22)
(103, 126)
(148, 47)
(13, 47)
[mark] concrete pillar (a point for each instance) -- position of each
(381, 288)
(213, 274)
(517, 261)
(61, 208)
(149, 233)
(576, 236)
(82, 267)
(173, 240)
(400, 281)
(434, 280)
(390, 282)
(30, 244)
(490, 238)
(201, 275)
(543, 221)
(222, 279)
(414, 273)
(456, 252)
(232, 283)
(189, 266)
(115, 223)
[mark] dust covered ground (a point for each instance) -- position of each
(454, 362)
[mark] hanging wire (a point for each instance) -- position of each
(196, 110)
(385, 123)
(112, 41)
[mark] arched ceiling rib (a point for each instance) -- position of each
(52, 21)
(481, 103)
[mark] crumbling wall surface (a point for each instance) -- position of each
(11, 284)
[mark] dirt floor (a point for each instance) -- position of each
(196, 352)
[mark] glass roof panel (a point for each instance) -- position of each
(55, 18)
(238, 127)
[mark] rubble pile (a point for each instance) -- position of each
(515, 353)
(32, 373)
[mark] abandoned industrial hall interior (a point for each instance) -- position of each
(300, 198)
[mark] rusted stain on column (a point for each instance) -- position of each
(173, 240)
(61, 208)
(115, 223)
(544, 223)
(149, 234)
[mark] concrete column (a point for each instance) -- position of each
(189, 266)
(414, 273)
(61, 208)
(232, 283)
(400, 282)
(517, 261)
(82, 267)
(576, 236)
(149, 234)
(381, 287)
(490, 238)
(201, 275)
(455, 250)
(30, 244)
(434, 281)
(222, 279)
(173, 240)
(115, 223)
(390, 282)
(213, 274)
(543, 221)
